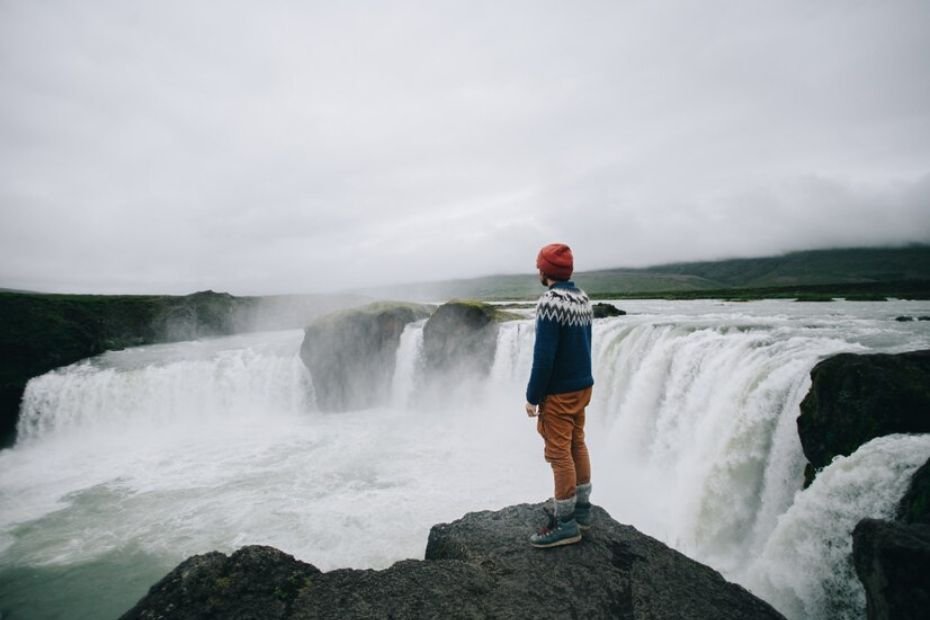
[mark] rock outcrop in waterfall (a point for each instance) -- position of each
(461, 338)
(856, 398)
(351, 353)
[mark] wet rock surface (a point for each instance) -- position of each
(480, 566)
(856, 398)
(602, 310)
(915, 505)
(893, 563)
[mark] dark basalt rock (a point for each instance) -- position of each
(480, 566)
(253, 583)
(602, 310)
(351, 353)
(915, 505)
(856, 398)
(893, 563)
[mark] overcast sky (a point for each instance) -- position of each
(270, 147)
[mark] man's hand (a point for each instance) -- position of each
(532, 410)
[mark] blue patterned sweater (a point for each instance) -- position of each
(562, 353)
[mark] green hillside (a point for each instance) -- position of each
(812, 267)
(867, 270)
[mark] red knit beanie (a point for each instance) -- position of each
(556, 261)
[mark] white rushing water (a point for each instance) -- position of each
(162, 452)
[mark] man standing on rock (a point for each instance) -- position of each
(559, 389)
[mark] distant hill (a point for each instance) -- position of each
(856, 267)
(812, 267)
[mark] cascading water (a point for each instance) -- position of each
(806, 567)
(197, 383)
(407, 366)
(161, 452)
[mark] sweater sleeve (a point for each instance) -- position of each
(544, 350)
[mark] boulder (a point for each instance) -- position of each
(602, 310)
(254, 582)
(351, 353)
(855, 398)
(480, 566)
(893, 563)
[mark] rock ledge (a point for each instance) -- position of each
(477, 567)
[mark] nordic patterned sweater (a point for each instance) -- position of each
(562, 353)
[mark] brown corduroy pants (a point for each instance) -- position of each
(561, 424)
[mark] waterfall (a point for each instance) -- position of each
(122, 390)
(692, 434)
(806, 567)
(407, 365)
(693, 431)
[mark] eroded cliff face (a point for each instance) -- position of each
(43, 332)
(480, 566)
(856, 398)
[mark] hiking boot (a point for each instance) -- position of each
(556, 533)
(583, 516)
(562, 528)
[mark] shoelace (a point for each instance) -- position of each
(552, 525)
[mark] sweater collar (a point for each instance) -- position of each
(563, 284)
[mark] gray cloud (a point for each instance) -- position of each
(287, 147)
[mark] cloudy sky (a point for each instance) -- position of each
(267, 147)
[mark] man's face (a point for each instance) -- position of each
(542, 278)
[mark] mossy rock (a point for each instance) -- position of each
(351, 354)
(856, 398)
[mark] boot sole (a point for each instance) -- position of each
(558, 543)
(584, 528)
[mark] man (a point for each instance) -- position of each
(558, 391)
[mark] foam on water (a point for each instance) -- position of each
(172, 450)
(806, 568)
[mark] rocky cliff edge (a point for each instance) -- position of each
(480, 566)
